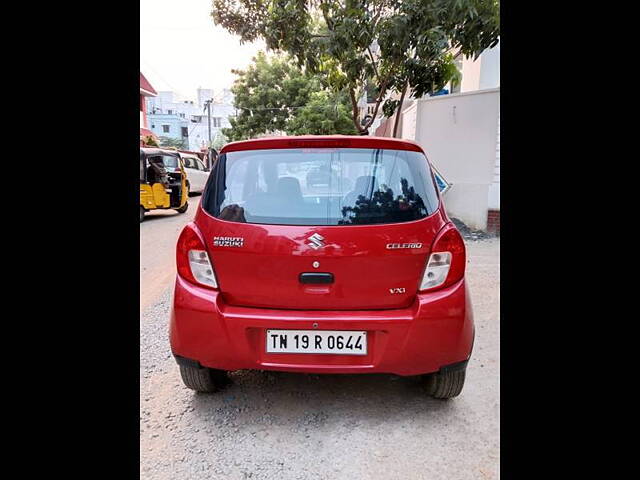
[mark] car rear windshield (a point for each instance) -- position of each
(321, 186)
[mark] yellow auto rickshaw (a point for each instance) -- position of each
(163, 181)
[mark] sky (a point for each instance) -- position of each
(181, 49)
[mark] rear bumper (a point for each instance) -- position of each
(435, 332)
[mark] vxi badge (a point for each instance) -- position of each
(394, 246)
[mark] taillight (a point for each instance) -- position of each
(447, 260)
(192, 258)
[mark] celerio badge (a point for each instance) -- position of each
(394, 246)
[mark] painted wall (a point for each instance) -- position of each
(483, 73)
(175, 123)
(494, 188)
(194, 114)
(459, 133)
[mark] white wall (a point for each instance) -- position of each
(483, 73)
(490, 68)
(408, 121)
(458, 132)
(494, 188)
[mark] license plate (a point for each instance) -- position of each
(336, 342)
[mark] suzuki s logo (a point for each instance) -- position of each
(316, 241)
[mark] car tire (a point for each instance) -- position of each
(142, 212)
(202, 379)
(183, 208)
(446, 383)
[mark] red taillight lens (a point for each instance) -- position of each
(447, 261)
(192, 259)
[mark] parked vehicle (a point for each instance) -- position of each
(197, 173)
(162, 181)
(276, 275)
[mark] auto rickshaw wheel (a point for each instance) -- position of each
(142, 212)
(183, 208)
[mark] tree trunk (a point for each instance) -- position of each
(397, 122)
(354, 111)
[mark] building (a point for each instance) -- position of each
(169, 115)
(170, 125)
(146, 92)
(460, 132)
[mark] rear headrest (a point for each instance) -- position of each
(289, 187)
(366, 185)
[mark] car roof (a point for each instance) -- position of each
(320, 141)
(159, 151)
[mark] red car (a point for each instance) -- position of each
(362, 274)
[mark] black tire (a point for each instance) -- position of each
(142, 212)
(183, 208)
(203, 379)
(446, 384)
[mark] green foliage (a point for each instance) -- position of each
(219, 141)
(275, 95)
(149, 141)
(167, 142)
(323, 115)
(354, 42)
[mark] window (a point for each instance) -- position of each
(185, 132)
(329, 186)
(200, 165)
(170, 163)
(188, 162)
(182, 115)
(153, 126)
(216, 122)
(170, 112)
(166, 128)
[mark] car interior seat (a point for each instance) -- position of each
(365, 185)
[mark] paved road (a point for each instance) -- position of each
(158, 235)
(297, 426)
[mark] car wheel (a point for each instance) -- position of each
(142, 212)
(203, 379)
(183, 208)
(446, 383)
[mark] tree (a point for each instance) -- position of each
(219, 140)
(321, 116)
(395, 44)
(275, 95)
(172, 142)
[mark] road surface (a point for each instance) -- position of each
(158, 235)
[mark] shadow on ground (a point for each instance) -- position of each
(319, 399)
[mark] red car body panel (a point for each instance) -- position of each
(436, 330)
(264, 272)
(408, 333)
(316, 141)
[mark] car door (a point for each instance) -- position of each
(202, 173)
(193, 176)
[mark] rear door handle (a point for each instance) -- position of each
(314, 277)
